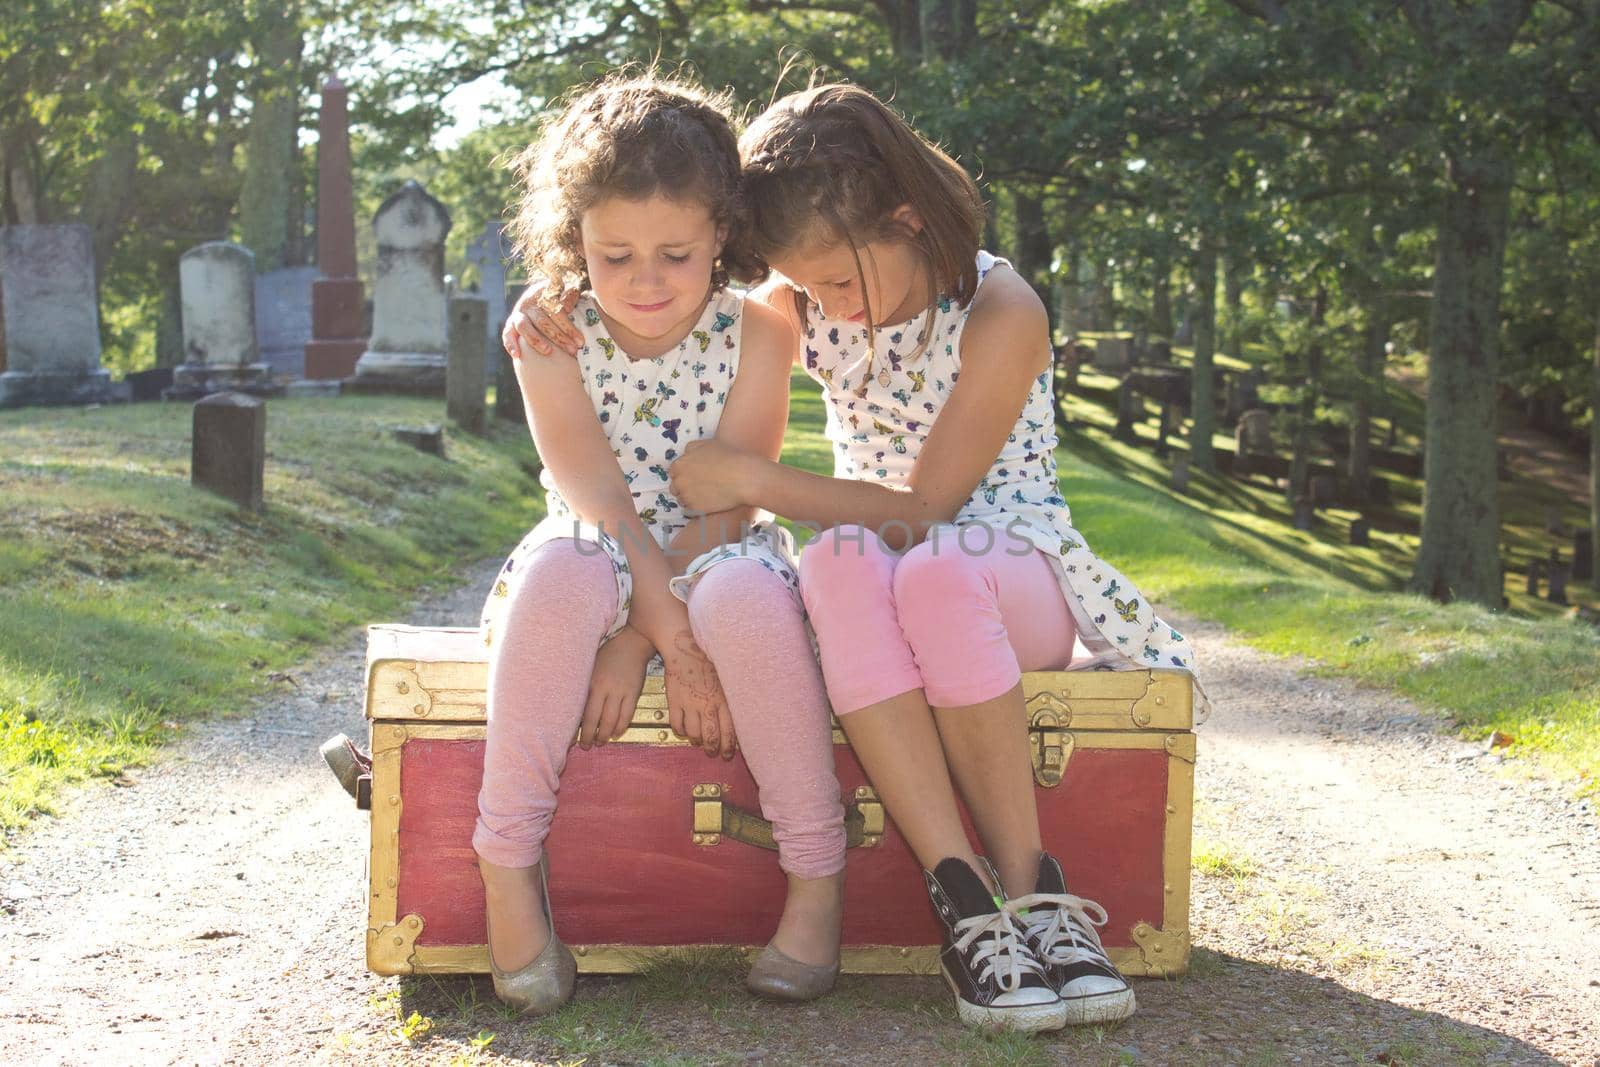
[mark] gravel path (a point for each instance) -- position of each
(1376, 893)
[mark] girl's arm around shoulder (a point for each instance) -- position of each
(1005, 346)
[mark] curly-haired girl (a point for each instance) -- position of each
(632, 196)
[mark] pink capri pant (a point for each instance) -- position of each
(960, 619)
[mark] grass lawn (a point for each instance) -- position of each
(134, 603)
(131, 603)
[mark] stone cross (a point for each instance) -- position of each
(217, 281)
(52, 319)
(464, 382)
(230, 447)
(407, 348)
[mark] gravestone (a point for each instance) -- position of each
(428, 439)
(1130, 410)
(230, 447)
(283, 319)
(464, 383)
(1304, 514)
(1111, 354)
(1583, 556)
(489, 252)
(1252, 436)
(507, 392)
(218, 285)
(1360, 533)
(339, 334)
(1180, 473)
(52, 319)
(407, 350)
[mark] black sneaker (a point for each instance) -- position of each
(1060, 929)
(996, 979)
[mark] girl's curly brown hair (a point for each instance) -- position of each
(631, 135)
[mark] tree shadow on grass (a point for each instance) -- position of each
(1229, 1010)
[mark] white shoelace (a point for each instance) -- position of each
(1063, 926)
(1004, 958)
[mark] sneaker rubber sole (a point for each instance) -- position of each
(1024, 1018)
(1100, 1008)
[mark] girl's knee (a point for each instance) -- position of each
(563, 572)
(736, 595)
(936, 580)
(845, 555)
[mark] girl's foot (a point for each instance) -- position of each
(808, 932)
(514, 903)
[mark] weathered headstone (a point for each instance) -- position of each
(218, 285)
(464, 385)
(1130, 410)
(283, 319)
(1583, 556)
(1252, 436)
(1180, 473)
(407, 348)
(1111, 354)
(1324, 491)
(230, 447)
(1360, 533)
(429, 439)
(52, 320)
(338, 333)
(489, 252)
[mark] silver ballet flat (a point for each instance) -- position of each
(546, 983)
(782, 977)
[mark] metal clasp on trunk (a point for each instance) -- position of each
(1052, 747)
(715, 819)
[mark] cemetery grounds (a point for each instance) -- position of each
(1373, 883)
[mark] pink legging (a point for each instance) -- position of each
(959, 620)
(560, 604)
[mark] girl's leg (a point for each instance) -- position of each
(977, 616)
(755, 634)
(559, 604)
(847, 581)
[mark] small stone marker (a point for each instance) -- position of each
(230, 447)
(283, 319)
(1180, 473)
(218, 283)
(1130, 410)
(464, 383)
(1304, 515)
(1360, 533)
(52, 319)
(1111, 354)
(429, 439)
(407, 349)
(1583, 556)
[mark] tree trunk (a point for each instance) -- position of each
(270, 150)
(106, 204)
(1459, 555)
(1594, 460)
(1161, 296)
(24, 205)
(1369, 387)
(1306, 408)
(1233, 297)
(1202, 402)
(1032, 245)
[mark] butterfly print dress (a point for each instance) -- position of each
(881, 404)
(649, 409)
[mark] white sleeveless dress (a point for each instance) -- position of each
(649, 409)
(880, 408)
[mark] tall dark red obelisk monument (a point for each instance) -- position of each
(336, 297)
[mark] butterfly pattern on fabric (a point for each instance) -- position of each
(878, 429)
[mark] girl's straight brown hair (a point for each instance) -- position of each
(832, 163)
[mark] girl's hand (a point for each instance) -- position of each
(614, 689)
(695, 704)
(540, 324)
(710, 476)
